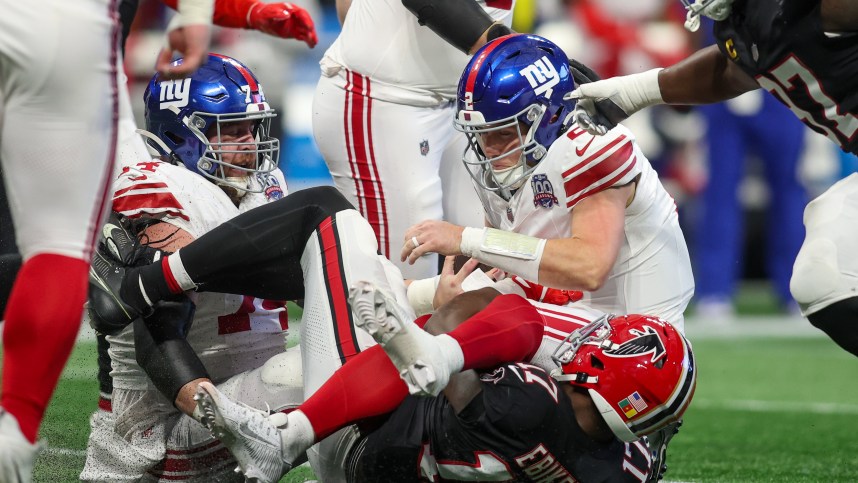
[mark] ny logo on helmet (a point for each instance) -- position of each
(175, 93)
(646, 341)
(542, 76)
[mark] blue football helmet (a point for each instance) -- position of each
(514, 81)
(182, 114)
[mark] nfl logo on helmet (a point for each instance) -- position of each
(543, 192)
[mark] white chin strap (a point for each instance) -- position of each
(504, 176)
(235, 182)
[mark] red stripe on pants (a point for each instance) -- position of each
(357, 121)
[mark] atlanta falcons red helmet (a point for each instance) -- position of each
(639, 370)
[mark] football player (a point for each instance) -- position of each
(804, 54)
(382, 110)
(620, 378)
(565, 209)
(217, 160)
(58, 127)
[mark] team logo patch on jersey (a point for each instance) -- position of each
(424, 147)
(543, 192)
(271, 187)
(632, 405)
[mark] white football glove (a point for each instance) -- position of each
(628, 94)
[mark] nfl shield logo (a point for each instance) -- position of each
(543, 192)
(424, 147)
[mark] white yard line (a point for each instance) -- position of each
(52, 451)
(750, 326)
(777, 406)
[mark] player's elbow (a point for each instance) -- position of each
(586, 277)
(593, 280)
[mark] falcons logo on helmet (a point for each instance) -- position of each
(647, 341)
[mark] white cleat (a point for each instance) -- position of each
(415, 353)
(251, 437)
(17, 454)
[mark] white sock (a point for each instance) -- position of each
(297, 436)
(452, 352)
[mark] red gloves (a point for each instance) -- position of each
(283, 20)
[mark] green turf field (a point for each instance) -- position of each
(767, 409)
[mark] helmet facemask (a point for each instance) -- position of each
(213, 163)
(715, 9)
(527, 151)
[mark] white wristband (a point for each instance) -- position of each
(643, 89)
(511, 252)
(421, 293)
(196, 12)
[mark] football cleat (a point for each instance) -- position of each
(249, 434)
(17, 455)
(657, 442)
(415, 353)
(118, 251)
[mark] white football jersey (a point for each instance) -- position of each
(230, 333)
(652, 274)
(407, 63)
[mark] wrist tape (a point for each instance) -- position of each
(421, 293)
(195, 12)
(511, 252)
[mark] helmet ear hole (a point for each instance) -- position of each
(174, 138)
(659, 363)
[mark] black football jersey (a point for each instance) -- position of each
(783, 46)
(520, 428)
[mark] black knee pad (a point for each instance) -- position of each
(840, 321)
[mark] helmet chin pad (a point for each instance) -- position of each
(614, 420)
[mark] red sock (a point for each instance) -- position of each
(42, 321)
(367, 385)
(508, 330)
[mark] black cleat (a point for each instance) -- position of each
(658, 448)
(117, 253)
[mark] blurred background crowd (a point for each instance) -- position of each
(739, 170)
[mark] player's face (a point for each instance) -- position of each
(504, 140)
(232, 133)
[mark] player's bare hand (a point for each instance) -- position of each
(192, 42)
(431, 236)
(450, 283)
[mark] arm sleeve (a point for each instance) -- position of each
(162, 350)
(460, 22)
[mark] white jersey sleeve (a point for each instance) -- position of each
(591, 164)
(173, 194)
